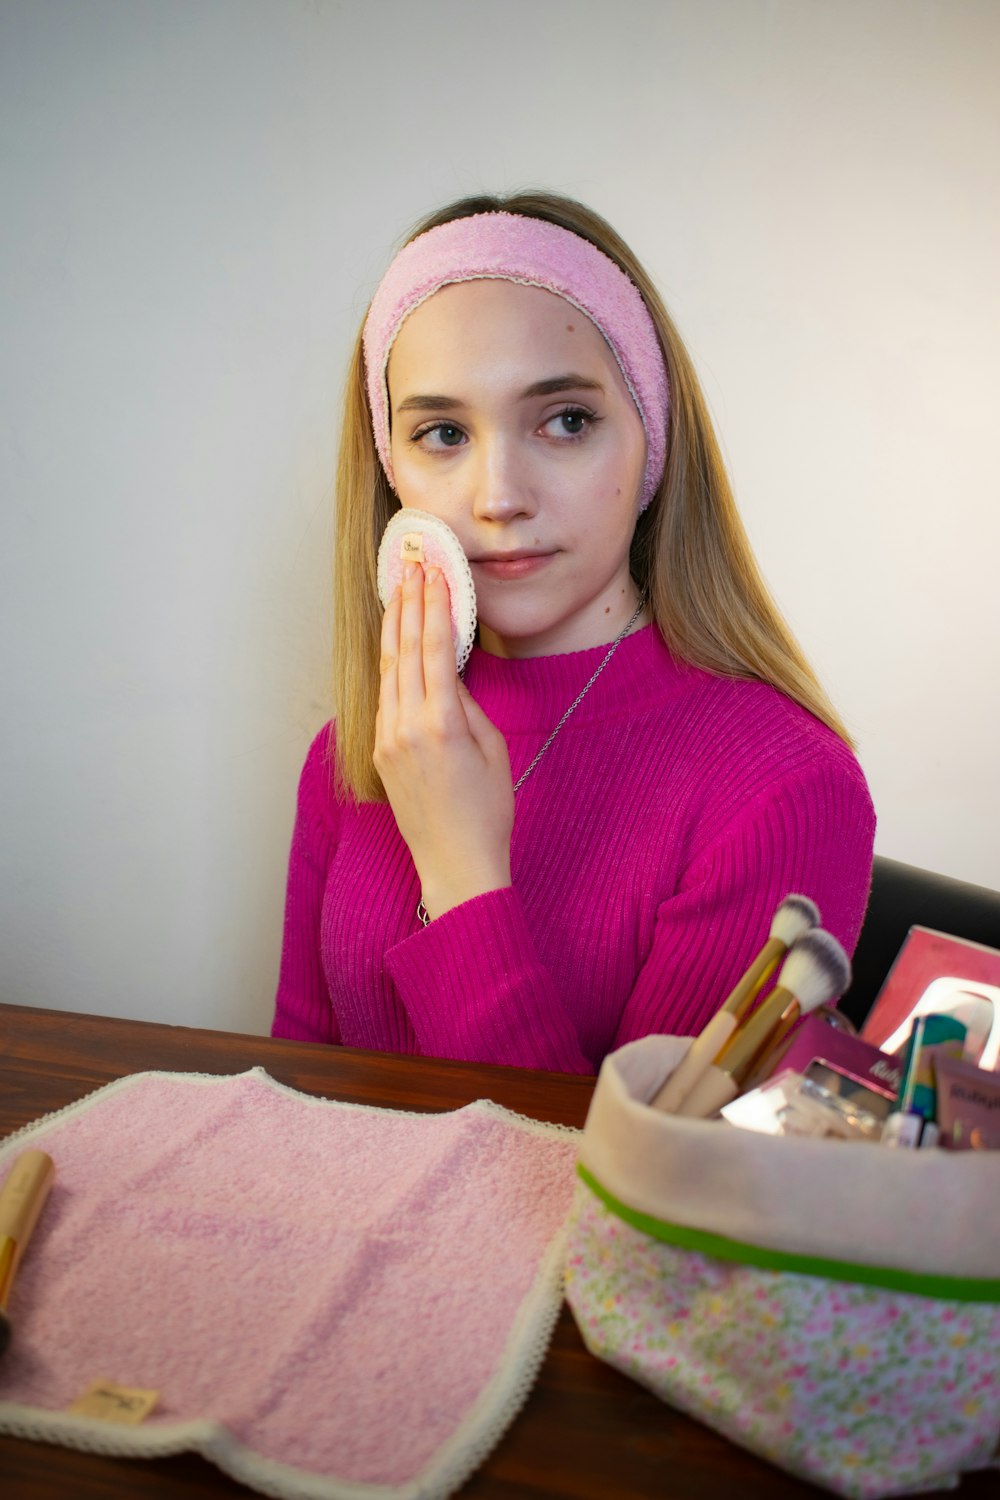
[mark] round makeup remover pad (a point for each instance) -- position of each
(417, 536)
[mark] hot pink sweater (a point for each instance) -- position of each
(652, 843)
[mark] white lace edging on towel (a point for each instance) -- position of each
(18, 1139)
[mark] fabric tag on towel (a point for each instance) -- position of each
(114, 1403)
(330, 1299)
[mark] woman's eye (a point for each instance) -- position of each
(440, 435)
(570, 423)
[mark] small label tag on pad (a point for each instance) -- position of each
(114, 1403)
(411, 548)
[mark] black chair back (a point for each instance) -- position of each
(902, 897)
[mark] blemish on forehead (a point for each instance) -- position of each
(570, 327)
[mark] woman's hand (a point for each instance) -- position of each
(443, 764)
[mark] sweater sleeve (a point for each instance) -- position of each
(475, 987)
(302, 1007)
(813, 835)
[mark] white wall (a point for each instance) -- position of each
(197, 197)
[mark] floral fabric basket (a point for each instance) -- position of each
(832, 1306)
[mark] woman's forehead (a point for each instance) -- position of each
(468, 329)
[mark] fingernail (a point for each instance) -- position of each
(409, 569)
(433, 574)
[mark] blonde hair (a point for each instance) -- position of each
(690, 551)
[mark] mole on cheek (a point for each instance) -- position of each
(570, 328)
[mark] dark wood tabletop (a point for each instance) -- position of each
(585, 1432)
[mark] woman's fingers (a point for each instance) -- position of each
(440, 676)
(389, 661)
(418, 694)
(490, 744)
(410, 665)
(485, 733)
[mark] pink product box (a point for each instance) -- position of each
(816, 1040)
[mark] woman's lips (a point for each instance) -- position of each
(512, 564)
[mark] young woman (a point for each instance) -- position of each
(584, 840)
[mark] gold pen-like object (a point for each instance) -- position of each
(815, 971)
(794, 917)
(22, 1198)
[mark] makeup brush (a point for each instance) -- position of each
(794, 917)
(816, 970)
(21, 1200)
(767, 1059)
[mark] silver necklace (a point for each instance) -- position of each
(519, 783)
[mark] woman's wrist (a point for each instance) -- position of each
(441, 894)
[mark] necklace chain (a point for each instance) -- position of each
(422, 912)
(583, 691)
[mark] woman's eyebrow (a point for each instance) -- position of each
(561, 383)
(430, 403)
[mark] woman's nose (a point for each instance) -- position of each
(503, 488)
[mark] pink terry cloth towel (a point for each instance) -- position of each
(332, 1300)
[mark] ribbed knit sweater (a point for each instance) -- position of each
(652, 844)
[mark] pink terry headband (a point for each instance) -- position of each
(512, 247)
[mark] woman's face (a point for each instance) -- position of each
(511, 422)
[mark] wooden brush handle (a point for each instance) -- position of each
(749, 987)
(764, 1064)
(23, 1194)
(699, 1056)
(713, 1090)
(755, 1033)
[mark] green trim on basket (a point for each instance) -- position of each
(917, 1283)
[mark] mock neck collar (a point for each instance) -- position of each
(530, 690)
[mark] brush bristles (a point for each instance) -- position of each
(816, 970)
(793, 919)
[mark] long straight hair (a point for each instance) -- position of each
(690, 551)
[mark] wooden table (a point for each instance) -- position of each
(585, 1432)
